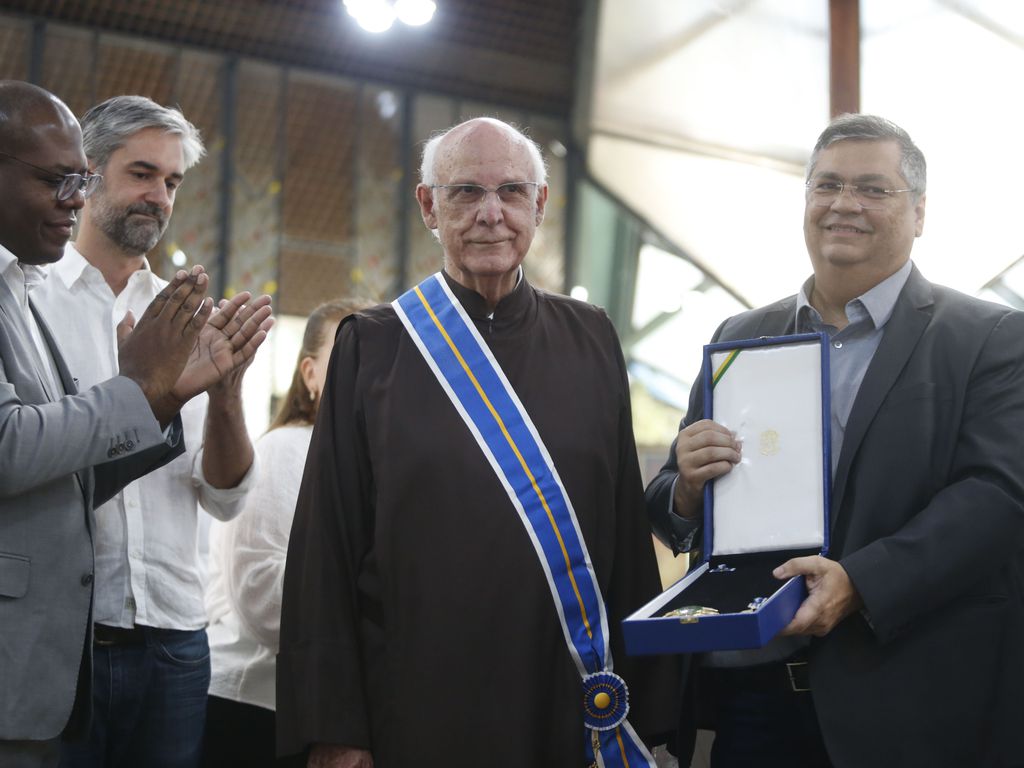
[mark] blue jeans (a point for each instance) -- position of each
(149, 702)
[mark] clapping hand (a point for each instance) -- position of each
(154, 352)
(226, 346)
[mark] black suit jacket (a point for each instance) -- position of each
(928, 520)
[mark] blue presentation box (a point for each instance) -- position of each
(773, 393)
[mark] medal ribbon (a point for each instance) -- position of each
(490, 408)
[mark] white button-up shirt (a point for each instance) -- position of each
(146, 537)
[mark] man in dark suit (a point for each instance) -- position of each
(911, 641)
(62, 451)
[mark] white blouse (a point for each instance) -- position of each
(247, 557)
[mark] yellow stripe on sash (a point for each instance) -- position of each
(515, 449)
(622, 747)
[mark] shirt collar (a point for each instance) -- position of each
(74, 266)
(6, 259)
(879, 301)
(71, 266)
(509, 310)
(23, 276)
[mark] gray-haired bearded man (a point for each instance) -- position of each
(152, 667)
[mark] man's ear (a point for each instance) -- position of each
(919, 216)
(425, 197)
(542, 201)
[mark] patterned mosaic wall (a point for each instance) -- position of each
(321, 179)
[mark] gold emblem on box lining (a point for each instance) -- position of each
(770, 443)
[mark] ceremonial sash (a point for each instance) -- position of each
(472, 378)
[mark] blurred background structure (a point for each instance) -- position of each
(676, 132)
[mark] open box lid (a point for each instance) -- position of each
(773, 393)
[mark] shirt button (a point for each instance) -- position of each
(86, 579)
(837, 344)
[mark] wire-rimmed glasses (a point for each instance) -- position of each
(515, 193)
(67, 184)
(825, 192)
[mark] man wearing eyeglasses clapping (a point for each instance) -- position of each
(66, 448)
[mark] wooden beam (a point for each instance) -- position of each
(844, 56)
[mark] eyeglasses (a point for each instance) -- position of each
(65, 185)
(825, 192)
(515, 193)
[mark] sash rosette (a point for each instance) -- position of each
(490, 408)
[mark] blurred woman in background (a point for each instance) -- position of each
(247, 558)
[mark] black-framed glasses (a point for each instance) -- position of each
(67, 184)
(825, 192)
(509, 193)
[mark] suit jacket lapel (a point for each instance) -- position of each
(67, 381)
(21, 338)
(70, 387)
(910, 317)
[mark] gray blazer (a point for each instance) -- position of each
(928, 520)
(59, 457)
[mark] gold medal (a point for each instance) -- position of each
(689, 614)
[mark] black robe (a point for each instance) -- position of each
(417, 622)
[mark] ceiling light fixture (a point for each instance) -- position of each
(378, 15)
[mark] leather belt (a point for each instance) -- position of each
(106, 636)
(799, 676)
(792, 675)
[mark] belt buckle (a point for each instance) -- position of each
(795, 684)
(98, 639)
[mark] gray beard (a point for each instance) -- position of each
(131, 235)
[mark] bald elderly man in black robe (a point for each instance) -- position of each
(418, 627)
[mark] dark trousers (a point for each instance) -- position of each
(759, 720)
(242, 736)
(149, 700)
(30, 754)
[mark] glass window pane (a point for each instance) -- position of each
(380, 187)
(319, 188)
(15, 39)
(546, 263)
(430, 115)
(739, 221)
(195, 227)
(68, 66)
(256, 186)
(132, 65)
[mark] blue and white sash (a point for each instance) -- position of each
(472, 378)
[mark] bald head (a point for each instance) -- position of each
(440, 149)
(483, 194)
(40, 144)
(28, 111)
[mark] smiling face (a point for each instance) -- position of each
(133, 205)
(485, 242)
(34, 225)
(845, 238)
